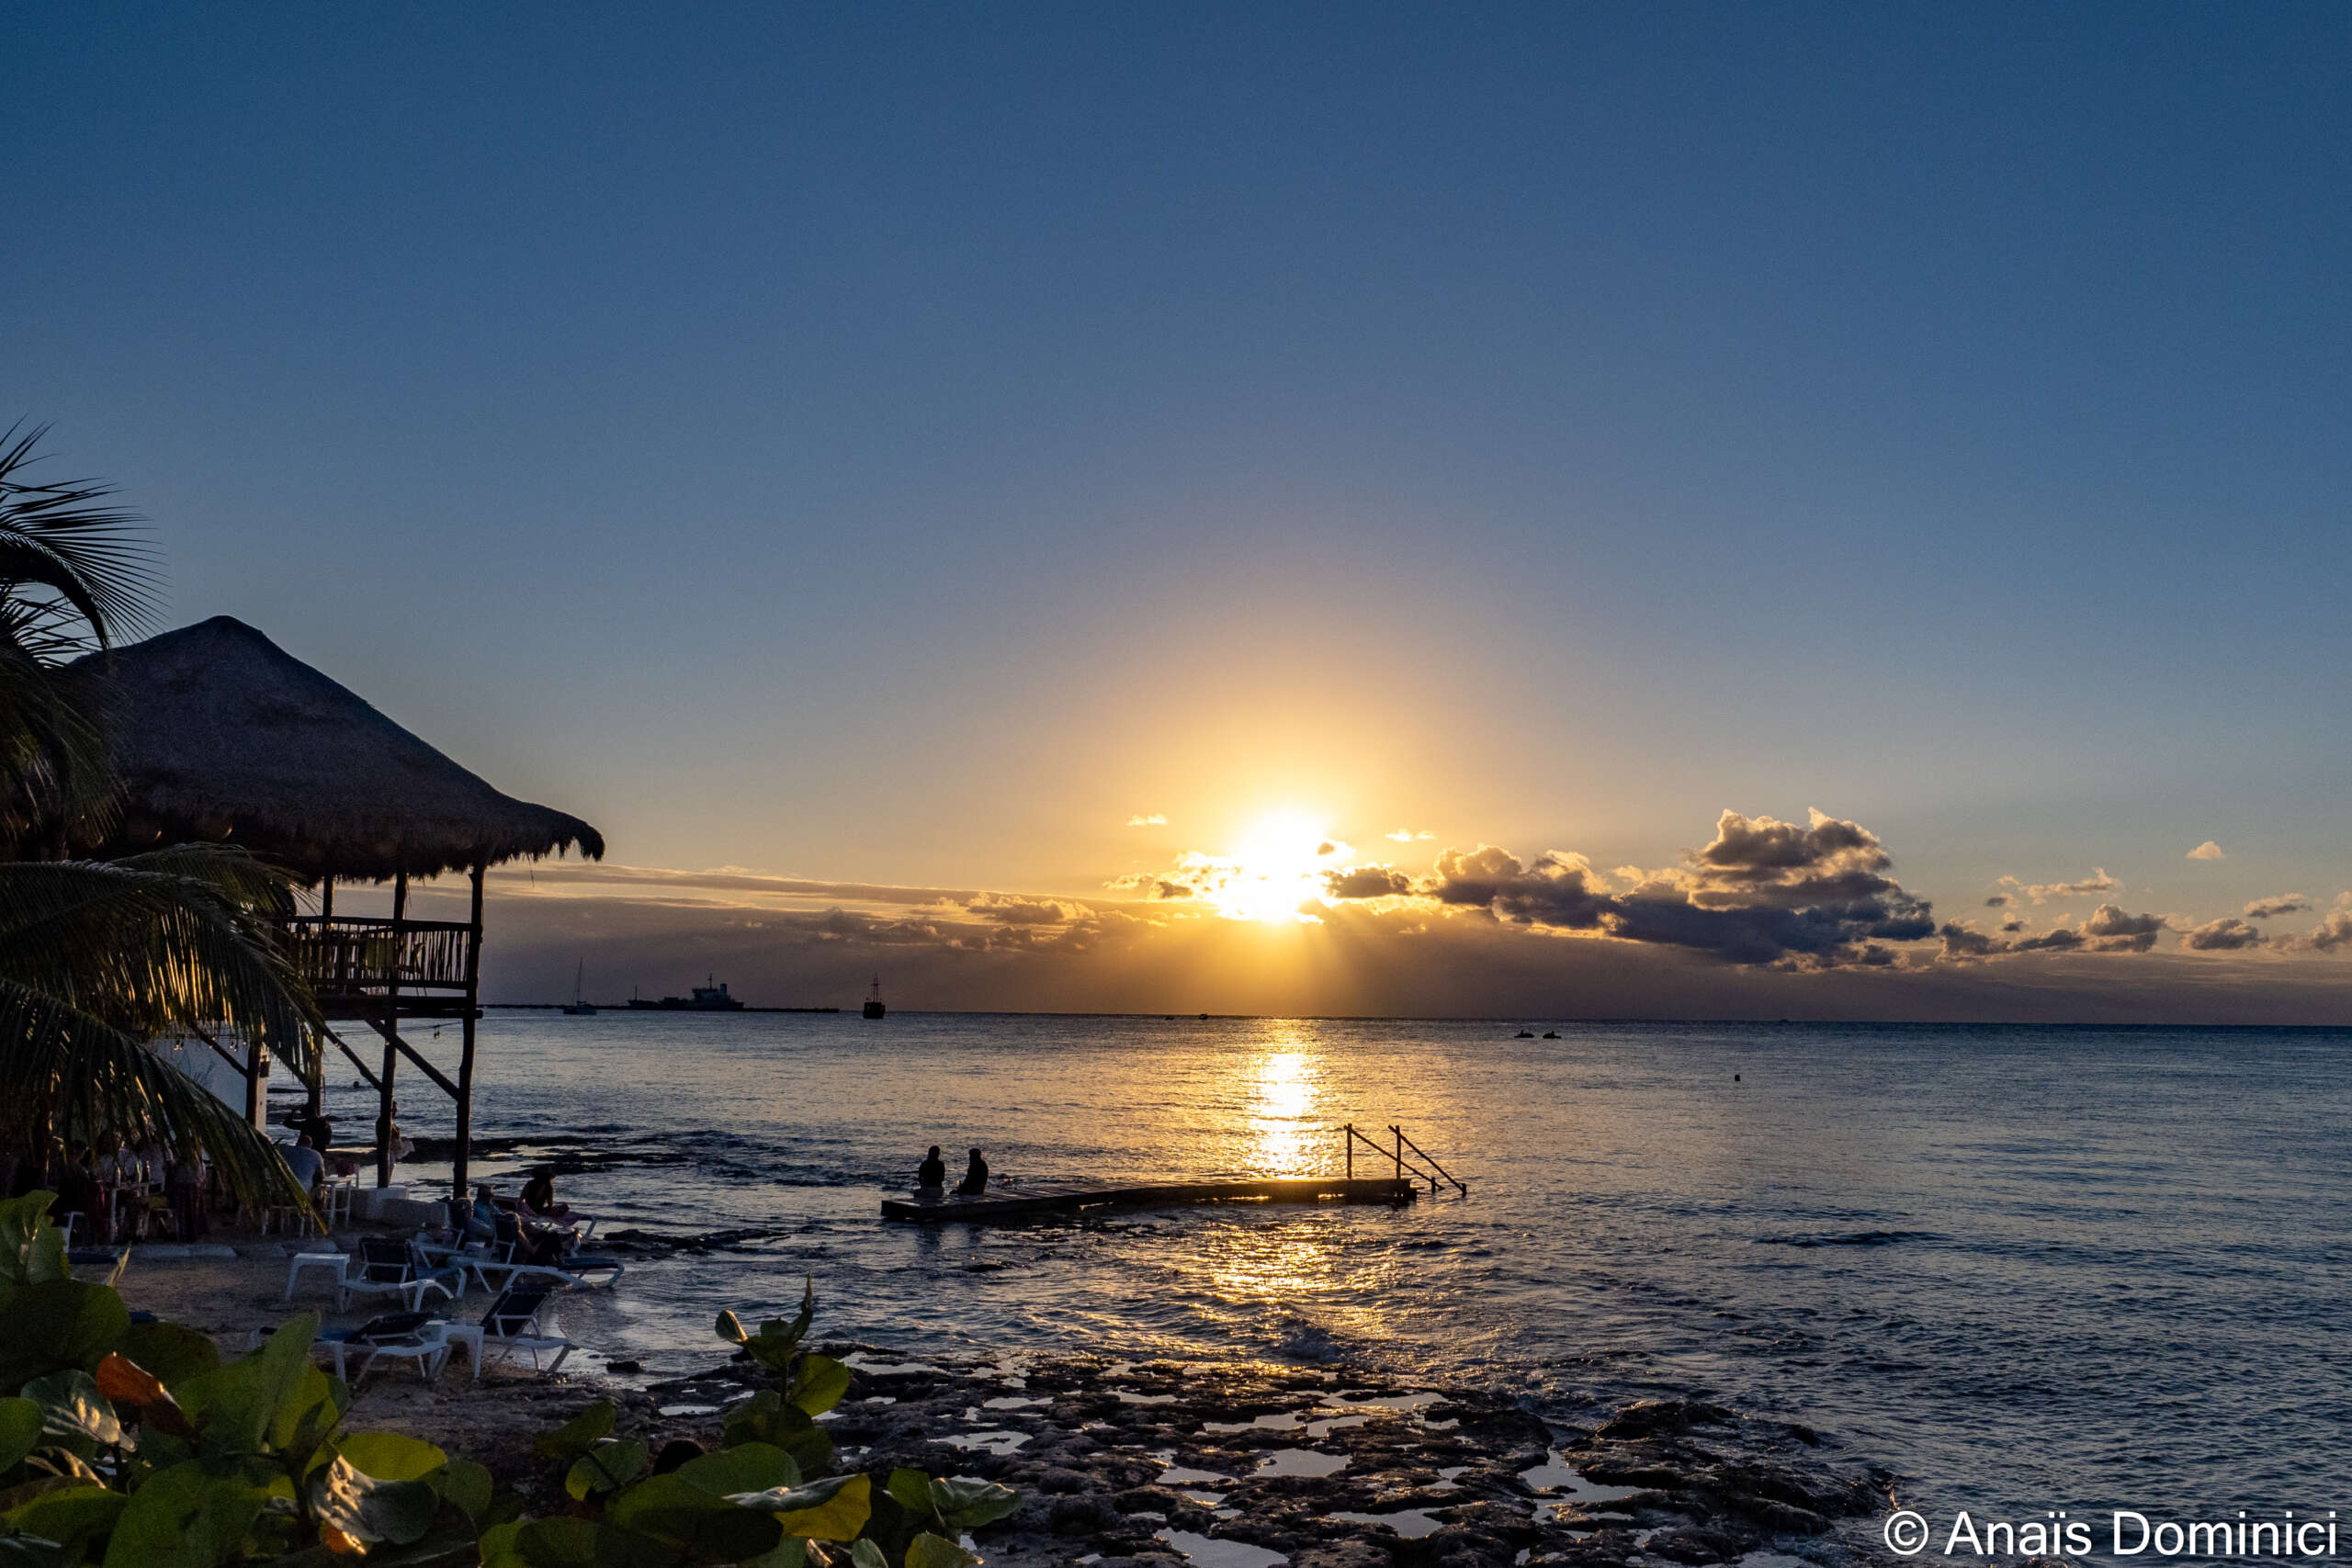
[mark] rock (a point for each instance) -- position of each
(1646, 1416)
(1079, 1515)
(624, 1365)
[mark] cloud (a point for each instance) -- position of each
(1762, 892)
(2209, 850)
(2331, 934)
(1156, 819)
(1406, 836)
(2228, 934)
(1367, 882)
(2278, 904)
(1997, 901)
(2044, 892)
(1011, 910)
(2110, 930)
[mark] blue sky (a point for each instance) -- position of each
(901, 442)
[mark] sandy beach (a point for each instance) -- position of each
(1227, 1466)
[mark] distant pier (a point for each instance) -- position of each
(1033, 1199)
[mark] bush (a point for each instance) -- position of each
(134, 1445)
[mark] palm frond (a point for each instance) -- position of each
(56, 537)
(80, 1076)
(173, 939)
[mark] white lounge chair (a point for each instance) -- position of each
(512, 1326)
(386, 1266)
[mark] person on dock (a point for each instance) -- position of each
(930, 1176)
(976, 1178)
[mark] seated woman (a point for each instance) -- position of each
(538, 1201)
(482, 1224)
(930, 1176)
(976, 1178)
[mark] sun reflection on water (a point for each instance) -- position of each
(1281, 1113)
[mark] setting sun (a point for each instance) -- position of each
(1276, 868)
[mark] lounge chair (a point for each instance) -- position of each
(400, 1336)
(511, 1324)
(505, 1252)
(387, 1267)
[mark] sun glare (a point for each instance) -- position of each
(1276, 868)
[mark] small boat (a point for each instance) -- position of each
(873, 1007)
(576, 1007)
(1551, 1034)
(1524, 1035)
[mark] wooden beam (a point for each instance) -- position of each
(461, 1160)
(356, 1060)
(390, 1029)
(384, 1149)
(222, 1051)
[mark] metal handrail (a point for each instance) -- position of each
(1395, 1156)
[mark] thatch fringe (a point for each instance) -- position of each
(217, 734)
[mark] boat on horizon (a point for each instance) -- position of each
(710, 997)
(873, 1007)
(578, 1007)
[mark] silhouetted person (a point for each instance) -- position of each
(976, 1178)
(538, 1199)
(930, 1176)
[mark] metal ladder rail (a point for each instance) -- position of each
(1417, 1148)
(1397, 1157)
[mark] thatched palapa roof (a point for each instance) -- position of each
(219, 734)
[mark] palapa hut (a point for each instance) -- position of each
(219, 735)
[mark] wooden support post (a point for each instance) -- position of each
(461, 1157)
(1349, 1138)
(257, 1071)
(384, 1149)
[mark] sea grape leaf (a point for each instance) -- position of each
(368, 1509)
(71, 1515)
(609, 1466)
(836, 1510)
(584, 1543)
(19, 1430)
(56, 1324)
(133, 1388)
(963, 1504)
(790, 1552)
(819, 1383)
(911, 1488)
(498, 1549)
(172, 1351)
(748, 1467)
(863, 1553)
(235, 1405)
(391, 1456)
(707, 1527)
(928, 1551)
(766, 1418)
(464, 1483)
(187, 1516)
(74, 1411)
(32, 1250)
(580, 1434)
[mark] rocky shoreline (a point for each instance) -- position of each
(1124, 1464)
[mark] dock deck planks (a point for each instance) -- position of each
(1070, 1198)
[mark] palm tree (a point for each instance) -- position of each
(98, 957)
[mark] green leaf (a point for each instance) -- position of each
(236, 1406)
(369, 1509)
(778, 1340)
(59, 1324)
(928, 1551)
(790, 1552)
(170, 1351)
(863, 1553)
(187, 1516)
(731, 1329)
(819, 1383)
(583, 1543)
(609, 1466)
(580, 1434)
(72, 1515)
(766, 1418)
(828, 1510)
(707, 1527)
(466, 1485)
(19, 1431)
(911, 1488)
(74, 1412)
(32, 1250)
(968, 1505)
(498, 1549)
(748, 1467)
(391, 1456)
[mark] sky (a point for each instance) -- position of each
(887, 450)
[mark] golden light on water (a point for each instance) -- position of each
(1284, 1129)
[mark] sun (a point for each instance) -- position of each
(1276, 868)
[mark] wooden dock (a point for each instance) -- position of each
(1032, 1200)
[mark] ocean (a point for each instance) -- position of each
(2028, 1268)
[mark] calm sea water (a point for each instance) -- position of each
(2027, 1268)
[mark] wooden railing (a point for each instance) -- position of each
(1421, 1165)
(343, 955)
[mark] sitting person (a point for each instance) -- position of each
(976, 1178)
(481, 1222)
(539, 1201)
(930, 1176)
(305, 1161)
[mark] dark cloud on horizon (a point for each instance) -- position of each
(2228, 934)
(2051, 892)
(2281, 904)
(2110, 929)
